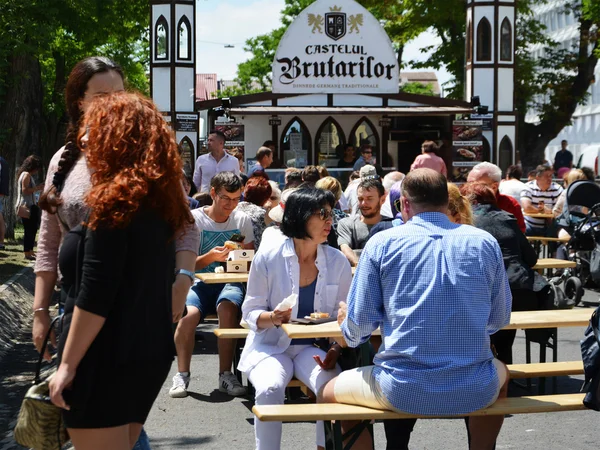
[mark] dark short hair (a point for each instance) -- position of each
(300, 206)
(372, 183)
(365, 147)
(257, 191)
(425, 187)
(514, 171)
(589, 173)
(226, 180)
(531, 173)
(347, 146)
(541, 169)
(218, 133)
(564, 141)
(429, 147)
(354, 175)
(263, 152)
(311, 174)
(268, 143)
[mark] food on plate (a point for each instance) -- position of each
(466, 154)
(231, 245)
(319, 315)
(468, 133)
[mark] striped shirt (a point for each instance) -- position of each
(438, 290)
(536, 195)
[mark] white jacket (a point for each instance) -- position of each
(274, 275)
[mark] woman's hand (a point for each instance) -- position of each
(62, 379)
(41, 325)
(330, 358)
(279, 317)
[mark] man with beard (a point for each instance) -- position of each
(353, 231)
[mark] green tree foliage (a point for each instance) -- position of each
(416, 87)
(41, 40)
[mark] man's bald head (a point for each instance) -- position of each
(426, 190)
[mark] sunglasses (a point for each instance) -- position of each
(325, 213)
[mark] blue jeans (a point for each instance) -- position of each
(142, 443)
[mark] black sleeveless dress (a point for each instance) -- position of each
(125, 276)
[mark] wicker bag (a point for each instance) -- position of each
(40, 425)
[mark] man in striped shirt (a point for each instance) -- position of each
(540, 196)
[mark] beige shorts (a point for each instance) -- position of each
(359, 387)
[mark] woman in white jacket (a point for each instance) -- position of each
(320, 276)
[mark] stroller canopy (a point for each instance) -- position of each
(580, 194)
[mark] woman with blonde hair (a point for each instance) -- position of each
(459, 207)
(570, 177)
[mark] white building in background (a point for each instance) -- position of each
(584, 135)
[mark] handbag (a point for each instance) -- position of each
(40, 424)
(23, 212)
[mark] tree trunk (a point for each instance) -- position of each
(21, 120)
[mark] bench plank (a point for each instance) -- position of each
(231, 333)
(336, 411)
(551, 369)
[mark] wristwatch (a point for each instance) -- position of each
(187, 273)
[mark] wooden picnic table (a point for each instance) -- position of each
(522, 319)
(553, 263)
(215, 278)
(539, 215)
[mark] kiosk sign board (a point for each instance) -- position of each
(333, 47)
(467, 142)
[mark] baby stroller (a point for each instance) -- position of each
(581, 219)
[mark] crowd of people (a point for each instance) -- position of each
(438, 269)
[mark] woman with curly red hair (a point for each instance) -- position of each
(118, 312)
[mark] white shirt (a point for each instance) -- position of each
(207, 167)
(351, 194)
(512, 188)
(274, 275)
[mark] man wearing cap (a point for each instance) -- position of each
(351, 192)
(353, 231)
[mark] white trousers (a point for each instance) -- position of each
(270, 378)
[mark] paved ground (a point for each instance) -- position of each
(209, 420)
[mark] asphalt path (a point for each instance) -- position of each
(208, 419)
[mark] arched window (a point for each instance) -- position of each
(186, 150)
(161, 39)
(469, 42)
(295, 144)
(484, 40)
(364, 132)
(329, 142)
(184, 33)
(506, 41)
(505, 152)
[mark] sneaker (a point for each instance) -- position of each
(180, 385)
(229, 384)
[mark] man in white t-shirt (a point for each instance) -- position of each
(217, 223)
(218, 160)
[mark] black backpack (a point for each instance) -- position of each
(4, 177)
(590, 353)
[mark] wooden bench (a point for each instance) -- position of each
(552, 369)
(329, 412)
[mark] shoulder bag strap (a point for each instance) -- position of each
(38, 367)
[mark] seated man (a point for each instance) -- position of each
(491, 175)
(437, 290)
(353, 231)
(540, 196)
(264, 158)
(217, 223)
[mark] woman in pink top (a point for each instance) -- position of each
(429, 159)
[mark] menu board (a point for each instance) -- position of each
(467, 144)
(234, 137)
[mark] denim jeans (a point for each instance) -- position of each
(142, 443)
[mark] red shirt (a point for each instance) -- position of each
(510, 205)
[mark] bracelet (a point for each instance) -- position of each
(40, 309)
(271, 317)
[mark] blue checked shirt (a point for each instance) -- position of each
(438, 290)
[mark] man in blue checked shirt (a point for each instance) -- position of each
(438, 290)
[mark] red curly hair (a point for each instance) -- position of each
(134, 160)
